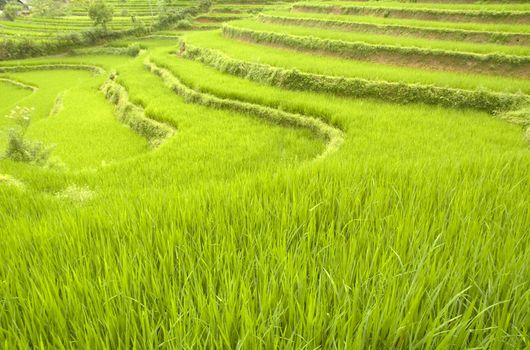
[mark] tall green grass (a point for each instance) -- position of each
(412, 235)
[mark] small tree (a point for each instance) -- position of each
(100, 13)
(11, 10)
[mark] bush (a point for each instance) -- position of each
(183, 24)
(19, 148)
(133, 49)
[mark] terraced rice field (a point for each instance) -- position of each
(75, 19)
(302, 176)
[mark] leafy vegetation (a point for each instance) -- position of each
(215, 190)
(21, 149)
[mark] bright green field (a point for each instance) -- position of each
(236, 232)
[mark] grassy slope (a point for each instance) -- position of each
(211, 241)
(350, 68)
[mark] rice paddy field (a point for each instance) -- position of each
(294, 175)
(75, 19)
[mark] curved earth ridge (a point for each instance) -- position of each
(478, 36)
(333, 136)
(513, 108)
(19, 84)
(409, 56)
(126, 112)
(54, 66)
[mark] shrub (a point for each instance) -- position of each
(183, 24)
(133, 49)
(19, 148)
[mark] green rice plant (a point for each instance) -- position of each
(133, 116)
(392, 29)
(491, 102)
(216, 241)
(385, 10)
(476, 6)
(84, 128)
(412, 56)
(347, 68)
(333, 136)
(413, 234)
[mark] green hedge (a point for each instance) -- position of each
(484, 100)
(133, 116)
(396, 29)
(434, 14)
(332, 135)
(514, 65)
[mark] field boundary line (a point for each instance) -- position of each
(133, 115)
(419, 13)
(58, 66)
(398, 92)
(19, 84)
(504, 38)
(404, 56)
(126, 112)
(333, 136)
